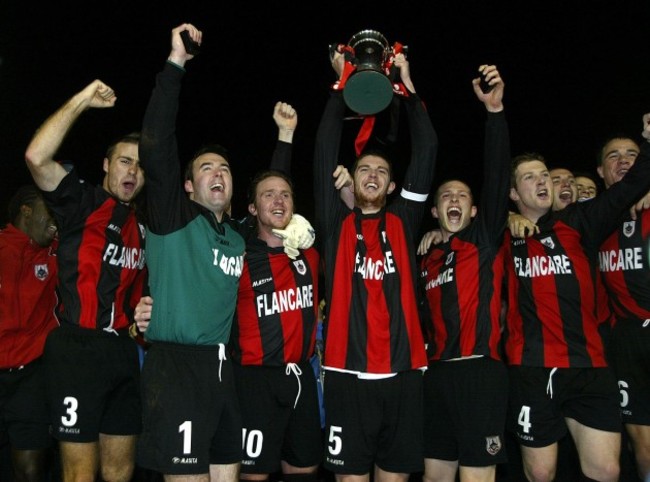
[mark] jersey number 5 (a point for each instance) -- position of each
(335, 443)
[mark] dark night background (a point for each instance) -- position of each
(574, 72)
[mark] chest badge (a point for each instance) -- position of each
(450, 258)
(548, 242)
(41, 271)
(300, 266)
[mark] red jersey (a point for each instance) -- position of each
(28, 274)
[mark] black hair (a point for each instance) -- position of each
(26, 195)
(130, 138)
(586, 174)
(450, 179)
(601, 147)
(205, 149)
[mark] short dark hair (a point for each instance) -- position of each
(619, 135)
(378, 153)
(26, 195)
(130, 138)
(261, 176)
(217, 149)
(520, 159)
(587, 174)
(436, 193)
(598, 182)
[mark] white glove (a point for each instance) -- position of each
(298, 234)
(292, 252)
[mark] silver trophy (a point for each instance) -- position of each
(368, 90)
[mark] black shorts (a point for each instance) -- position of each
(191, 413)
(371, 422)
(630, 359)
(281, 417)
(465, 405)
(541, 398)
(93, 384)
(24, 412)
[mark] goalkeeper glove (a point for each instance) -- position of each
(298, 234)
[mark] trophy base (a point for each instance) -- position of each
(368, 92)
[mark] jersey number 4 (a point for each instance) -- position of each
(524, 418)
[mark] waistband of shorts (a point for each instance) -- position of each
(169, 346)
(302, 364)
(95, 332)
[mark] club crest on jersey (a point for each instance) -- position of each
(493, 444)
(40, 271)
(300, 266)
(450, 258)
(548, 242)
(628, 228)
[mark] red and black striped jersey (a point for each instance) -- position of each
(463, 285)
(462, 278)
(101, 256)
(277, 307)
(625, 267)
(553, 312)
(552, 318)
(372, 324)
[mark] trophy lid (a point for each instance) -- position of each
(368, 92)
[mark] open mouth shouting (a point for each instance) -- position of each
(566, 195)
(278, 212)
(454, 215)
(372, 186)
(620, 173)
(542, 194)
(129, 186)
(217, 187)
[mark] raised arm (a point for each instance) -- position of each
(47, 140)
(158, 145)
(424, 147)
(158, 148)
(644, 202)
(604, 212)
(286, 119)
(493, 206)
(328, 204)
